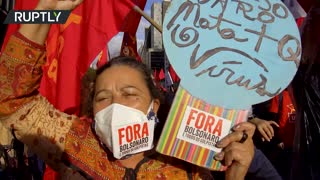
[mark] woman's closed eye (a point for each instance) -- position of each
(129, 94)
(103, 97)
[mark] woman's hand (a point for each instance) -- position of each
(265, 128)
(58, 4)
(235, 155)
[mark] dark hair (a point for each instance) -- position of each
(133, 63)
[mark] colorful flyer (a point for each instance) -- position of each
(230, 54)
(194, 127)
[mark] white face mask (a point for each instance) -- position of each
(125, 130)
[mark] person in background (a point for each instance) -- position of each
(306, 93)
(275, 124)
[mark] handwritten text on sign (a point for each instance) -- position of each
(203, 129)
(249, 49)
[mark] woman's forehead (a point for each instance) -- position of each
(121, 74)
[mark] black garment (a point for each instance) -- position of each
(261, 168)
(307, 146)
(15, 166)
(3, 27)
(281, 159)
(306, 87)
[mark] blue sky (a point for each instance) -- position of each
(144, 23)
(149, 4)
(115, 43)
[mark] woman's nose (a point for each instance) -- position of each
(118, 99)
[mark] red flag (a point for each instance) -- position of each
(73, 46)
(133, 19)
(129, 46)
(155, 75)
(129, 42)
(103, 57)
(161, 74)
(300, 21)
(174, 76)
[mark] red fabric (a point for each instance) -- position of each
(133, 19)
(129, 42)
(129, 46)
(49, 174)
(103, 57)
(286, 119)
(73, 46)
(300, 21)
(174, 76)
(77, 43)
(156, 75)
(161, 74)
(157, 79)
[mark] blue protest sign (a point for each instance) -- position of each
(232, 53)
